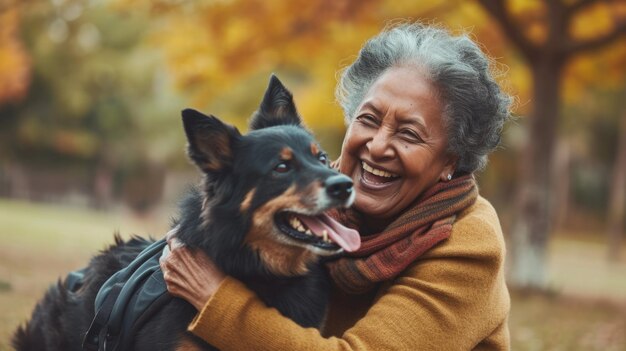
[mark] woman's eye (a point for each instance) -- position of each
(282, 167)
(411, 135)
(368, 119)
(323, 159)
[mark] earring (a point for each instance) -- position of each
(449, 176)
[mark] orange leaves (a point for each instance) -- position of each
(221, 51)
(531, 18)
(15, 63)
(594, 21)
(601, 68)
(225, 43)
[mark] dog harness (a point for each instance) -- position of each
(126, 301)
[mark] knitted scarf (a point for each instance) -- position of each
(384, 255)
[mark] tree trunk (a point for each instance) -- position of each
(102, 187)
(617, 196)
(531, 227)
(561, 181)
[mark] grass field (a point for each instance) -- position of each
(40, 243)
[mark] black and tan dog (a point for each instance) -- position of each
(259, 214)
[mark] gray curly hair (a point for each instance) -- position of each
(475, 108)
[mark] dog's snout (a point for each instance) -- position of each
(339, 187)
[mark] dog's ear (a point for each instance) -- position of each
(210, 141)
(277, 107)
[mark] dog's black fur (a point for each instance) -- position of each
(237, 217)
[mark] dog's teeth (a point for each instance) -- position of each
(296, 224)
(325, 235)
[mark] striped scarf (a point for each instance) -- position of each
(384, 255)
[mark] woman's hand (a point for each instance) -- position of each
(189, 274)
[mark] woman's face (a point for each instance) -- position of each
(395, 147)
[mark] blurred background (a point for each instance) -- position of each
(91, 140)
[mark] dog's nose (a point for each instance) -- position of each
(338, 187)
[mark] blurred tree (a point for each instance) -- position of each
(617, 195)
(222, 52)
(14, 60)
(548, 35)
(93, 96)
(109, 105)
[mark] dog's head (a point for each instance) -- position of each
(276, 180)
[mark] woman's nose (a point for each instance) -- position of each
(380, 146)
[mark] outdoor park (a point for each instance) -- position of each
(91, 141)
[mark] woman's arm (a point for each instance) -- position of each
(450, 300)
(189, 274)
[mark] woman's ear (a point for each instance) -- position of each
(448, 170)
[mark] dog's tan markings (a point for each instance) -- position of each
(187, 344)
(280, 257)
(215, 151)
(284, 260)
(286, 154)
(247, 201)
(315, 150)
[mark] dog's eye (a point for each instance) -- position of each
(283, 167)
(323, 159)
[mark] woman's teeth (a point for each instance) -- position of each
(378, 172)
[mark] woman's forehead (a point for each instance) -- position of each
(406, 94)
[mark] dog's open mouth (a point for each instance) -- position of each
(321, 231)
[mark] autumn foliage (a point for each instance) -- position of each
(15, 63)
(99, 85)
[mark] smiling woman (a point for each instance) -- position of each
(423, 112)
(396, 146)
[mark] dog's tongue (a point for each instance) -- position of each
(348, 239)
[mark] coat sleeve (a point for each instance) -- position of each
(451, 299)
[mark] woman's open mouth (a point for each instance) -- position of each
(376, 179)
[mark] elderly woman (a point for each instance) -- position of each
(423, 113)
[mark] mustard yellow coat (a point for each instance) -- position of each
(454, 297)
